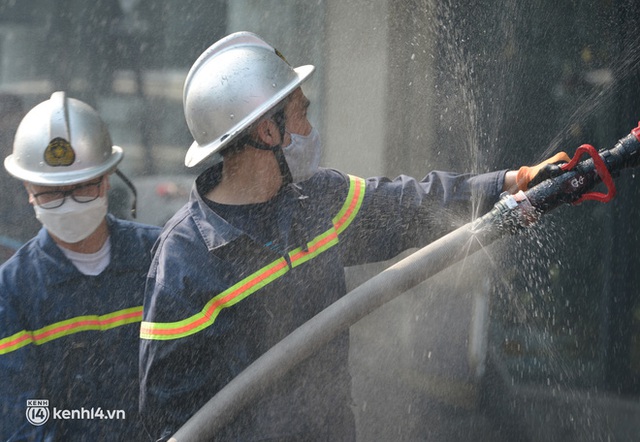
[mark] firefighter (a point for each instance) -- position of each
(71, 298)
(261, 247)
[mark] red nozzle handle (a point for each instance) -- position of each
(636, 132)
(601, 168)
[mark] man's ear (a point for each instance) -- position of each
(268, 132)
(32, 200)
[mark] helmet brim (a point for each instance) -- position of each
(66, 178)
(198, 153)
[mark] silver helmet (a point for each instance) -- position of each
(230, 86)
(62, 141)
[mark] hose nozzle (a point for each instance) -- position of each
(515, 212)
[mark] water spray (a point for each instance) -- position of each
(572, 184)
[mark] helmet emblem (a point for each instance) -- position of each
(59, 153)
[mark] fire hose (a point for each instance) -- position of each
(511, 214)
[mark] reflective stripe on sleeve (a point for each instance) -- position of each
(69, 327)
(252, 283)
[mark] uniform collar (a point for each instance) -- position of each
(214, 230)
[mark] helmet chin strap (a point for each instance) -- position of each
(279, 119)
(280, 158)
(133, 190)
(287, 178)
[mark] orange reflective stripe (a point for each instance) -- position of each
(207, 316)
(252, 283)
(69, 327)
(351, 206)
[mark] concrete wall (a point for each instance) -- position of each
(356, 85)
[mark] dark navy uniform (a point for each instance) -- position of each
(229, 282)
(73, 339)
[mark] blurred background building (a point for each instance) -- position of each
(533, 339)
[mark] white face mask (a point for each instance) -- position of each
(303, 155)
(73, 221)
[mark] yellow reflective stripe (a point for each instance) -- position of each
(318, 245)
(249, 285)
(206, 317)
(341, 221)
(15, 342)
(351, 205)
(69, 327)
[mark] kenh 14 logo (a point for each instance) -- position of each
(38, 411)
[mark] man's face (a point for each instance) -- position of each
(295, 112)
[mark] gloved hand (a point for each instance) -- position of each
(529, 176)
